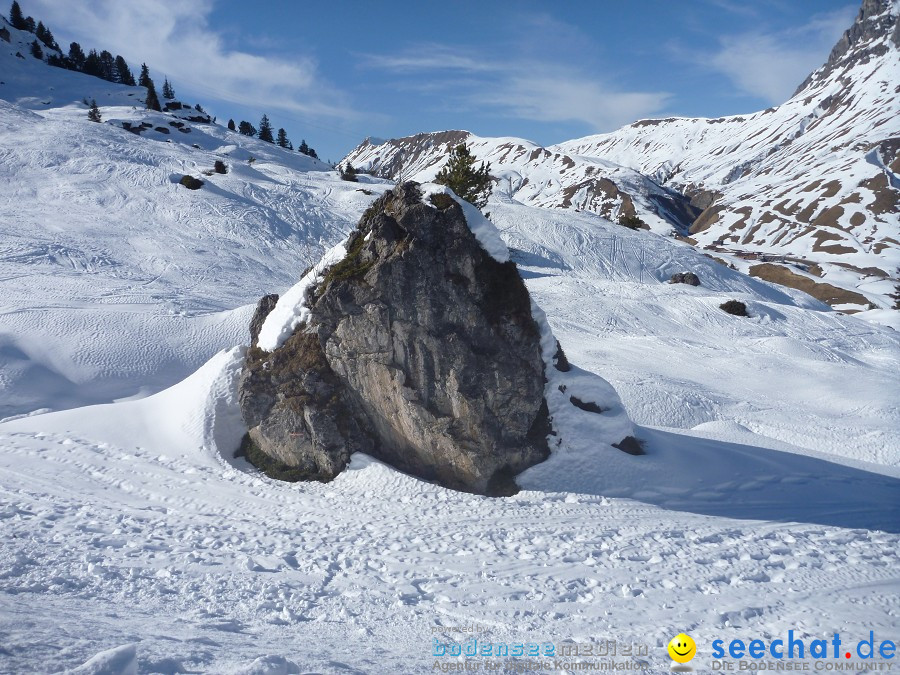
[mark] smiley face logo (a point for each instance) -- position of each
(682, 648)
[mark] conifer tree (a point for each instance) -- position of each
(92, 65)
(152, 99)
(231, 126)
(36, 50)
(123, 72)
(76, 57)
(144, 77)
(44, 35)
(94, 112)
(265, 130)
(168, 92)
(304, 148)
(282, 138)
(108, 67)
(16, 18)
(29, 24)
(246, 128)
(461, 176)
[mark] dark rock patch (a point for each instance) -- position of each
(630, 445)
(265, 305)
(688, 278)
(735, 307)
(588, 406)
(560, 362)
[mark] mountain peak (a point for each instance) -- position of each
(875, 26)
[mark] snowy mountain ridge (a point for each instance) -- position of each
(814, 182)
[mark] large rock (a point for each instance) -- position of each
(420, 349)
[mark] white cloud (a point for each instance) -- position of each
(551, 95)
(772, 65)
(529, 88)
(427, 57)
(174, 39)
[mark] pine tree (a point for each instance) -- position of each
(304, 148)
(76, 57)
(168, 92)
(94, 112)
(92, 65)
(461, 176)
(107, 66)
(282, 138)
(231, 126)
(29, 24)
(144, 77)
(44, 35)
(36, 50)
(265, 130)
(152, 99)
(16, 18)
(246, 128)
(348, 173)
(312, 153)
(123, 72)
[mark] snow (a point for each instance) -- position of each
(132, 539)
(120, 521)
(291, 311)
(117, 661)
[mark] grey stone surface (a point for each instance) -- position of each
(421, 350)
(265, 305)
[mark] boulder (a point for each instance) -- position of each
(735, 307)
(419, 348)
(688, 278)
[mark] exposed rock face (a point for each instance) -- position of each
(874, 21)
(265, 305)
(420, 350)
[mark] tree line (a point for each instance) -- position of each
(115, 69)
(265, 133)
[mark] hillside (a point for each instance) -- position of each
(810, 187)
(116, 280)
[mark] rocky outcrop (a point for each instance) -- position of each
(861, 41)
(419, 349)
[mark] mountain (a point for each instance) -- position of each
(529, 174)
(812, 187)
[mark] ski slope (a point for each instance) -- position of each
(117, 281)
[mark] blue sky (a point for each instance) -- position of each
(336, 72)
